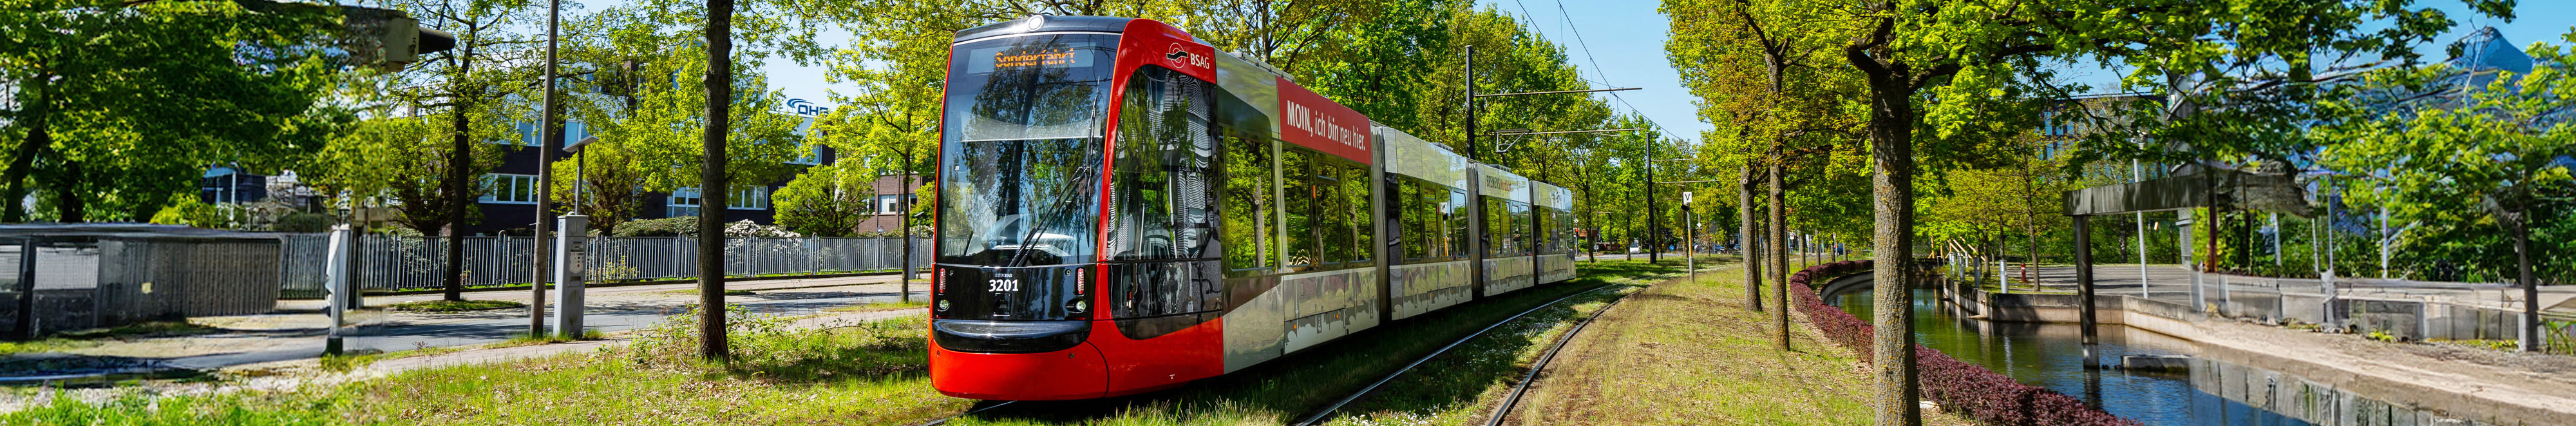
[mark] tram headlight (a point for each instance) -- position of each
(943, 306)
(1077, 306)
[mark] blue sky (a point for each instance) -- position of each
(1621, 44)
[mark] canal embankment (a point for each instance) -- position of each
(2310, 376)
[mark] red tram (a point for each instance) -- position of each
(1124, 209)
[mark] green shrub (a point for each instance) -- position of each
(304, 223)
(664, 227)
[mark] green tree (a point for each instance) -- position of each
(403, 163)
(827, 201)
(2499, 145)
(464, 95)
(118, 104)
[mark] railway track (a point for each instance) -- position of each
(1327, 413)
(1319, 416)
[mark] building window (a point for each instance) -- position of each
(749, 198)
(888, 204)
(813, 157)
(573, 131)
(684, 203)
(502, 188)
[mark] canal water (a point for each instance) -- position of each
(2052, 356)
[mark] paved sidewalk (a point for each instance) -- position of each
(479, 356)
(297, 330)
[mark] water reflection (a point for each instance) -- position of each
(2052, 356)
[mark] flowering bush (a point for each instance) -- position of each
(1968, 389)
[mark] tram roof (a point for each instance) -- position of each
(1044, 23)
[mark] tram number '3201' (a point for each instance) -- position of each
(1003, 284)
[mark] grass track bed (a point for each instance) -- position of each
(1689, 353)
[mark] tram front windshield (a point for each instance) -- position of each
(1020, 172)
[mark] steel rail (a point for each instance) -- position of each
(1320, 415)
(1523, 387)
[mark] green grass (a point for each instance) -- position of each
(524, 339)
(871, 373)
(454, 305)
(1690, 353)
(917, 303)
(92, 338)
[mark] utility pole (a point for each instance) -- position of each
(1473, 150)
(1471, 105)
(549, 139)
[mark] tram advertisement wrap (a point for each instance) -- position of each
(1309, 120)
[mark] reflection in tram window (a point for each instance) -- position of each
(1300, 204)
(1459, 220)
(1160, 196)
(1355, 191)
(1020, 179)
(1332, 220)
(1247, 204)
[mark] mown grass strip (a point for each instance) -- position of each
(1688, 352)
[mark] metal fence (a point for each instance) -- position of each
(407, 263)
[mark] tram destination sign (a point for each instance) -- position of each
(1058, 54)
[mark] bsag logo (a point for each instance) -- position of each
(1182, 57)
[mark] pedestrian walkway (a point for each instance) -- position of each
(298, 329)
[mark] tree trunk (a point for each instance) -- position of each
(711, 182)
(1892, 203)
(1745, 246)
(460, 158)
(24, 159)
(903, 219)
(1779, 257)
(2520, 225)
(67, 189)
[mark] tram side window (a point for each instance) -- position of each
(1565, 233)
(1409, 216)
(1299, 201)
(1247, 204)
(1355, 189)
(1332, 211)
(1498, 228)
(1522, 227)
(1459, 221)
(1161, 195)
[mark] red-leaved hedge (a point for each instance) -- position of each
(1968, 389)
